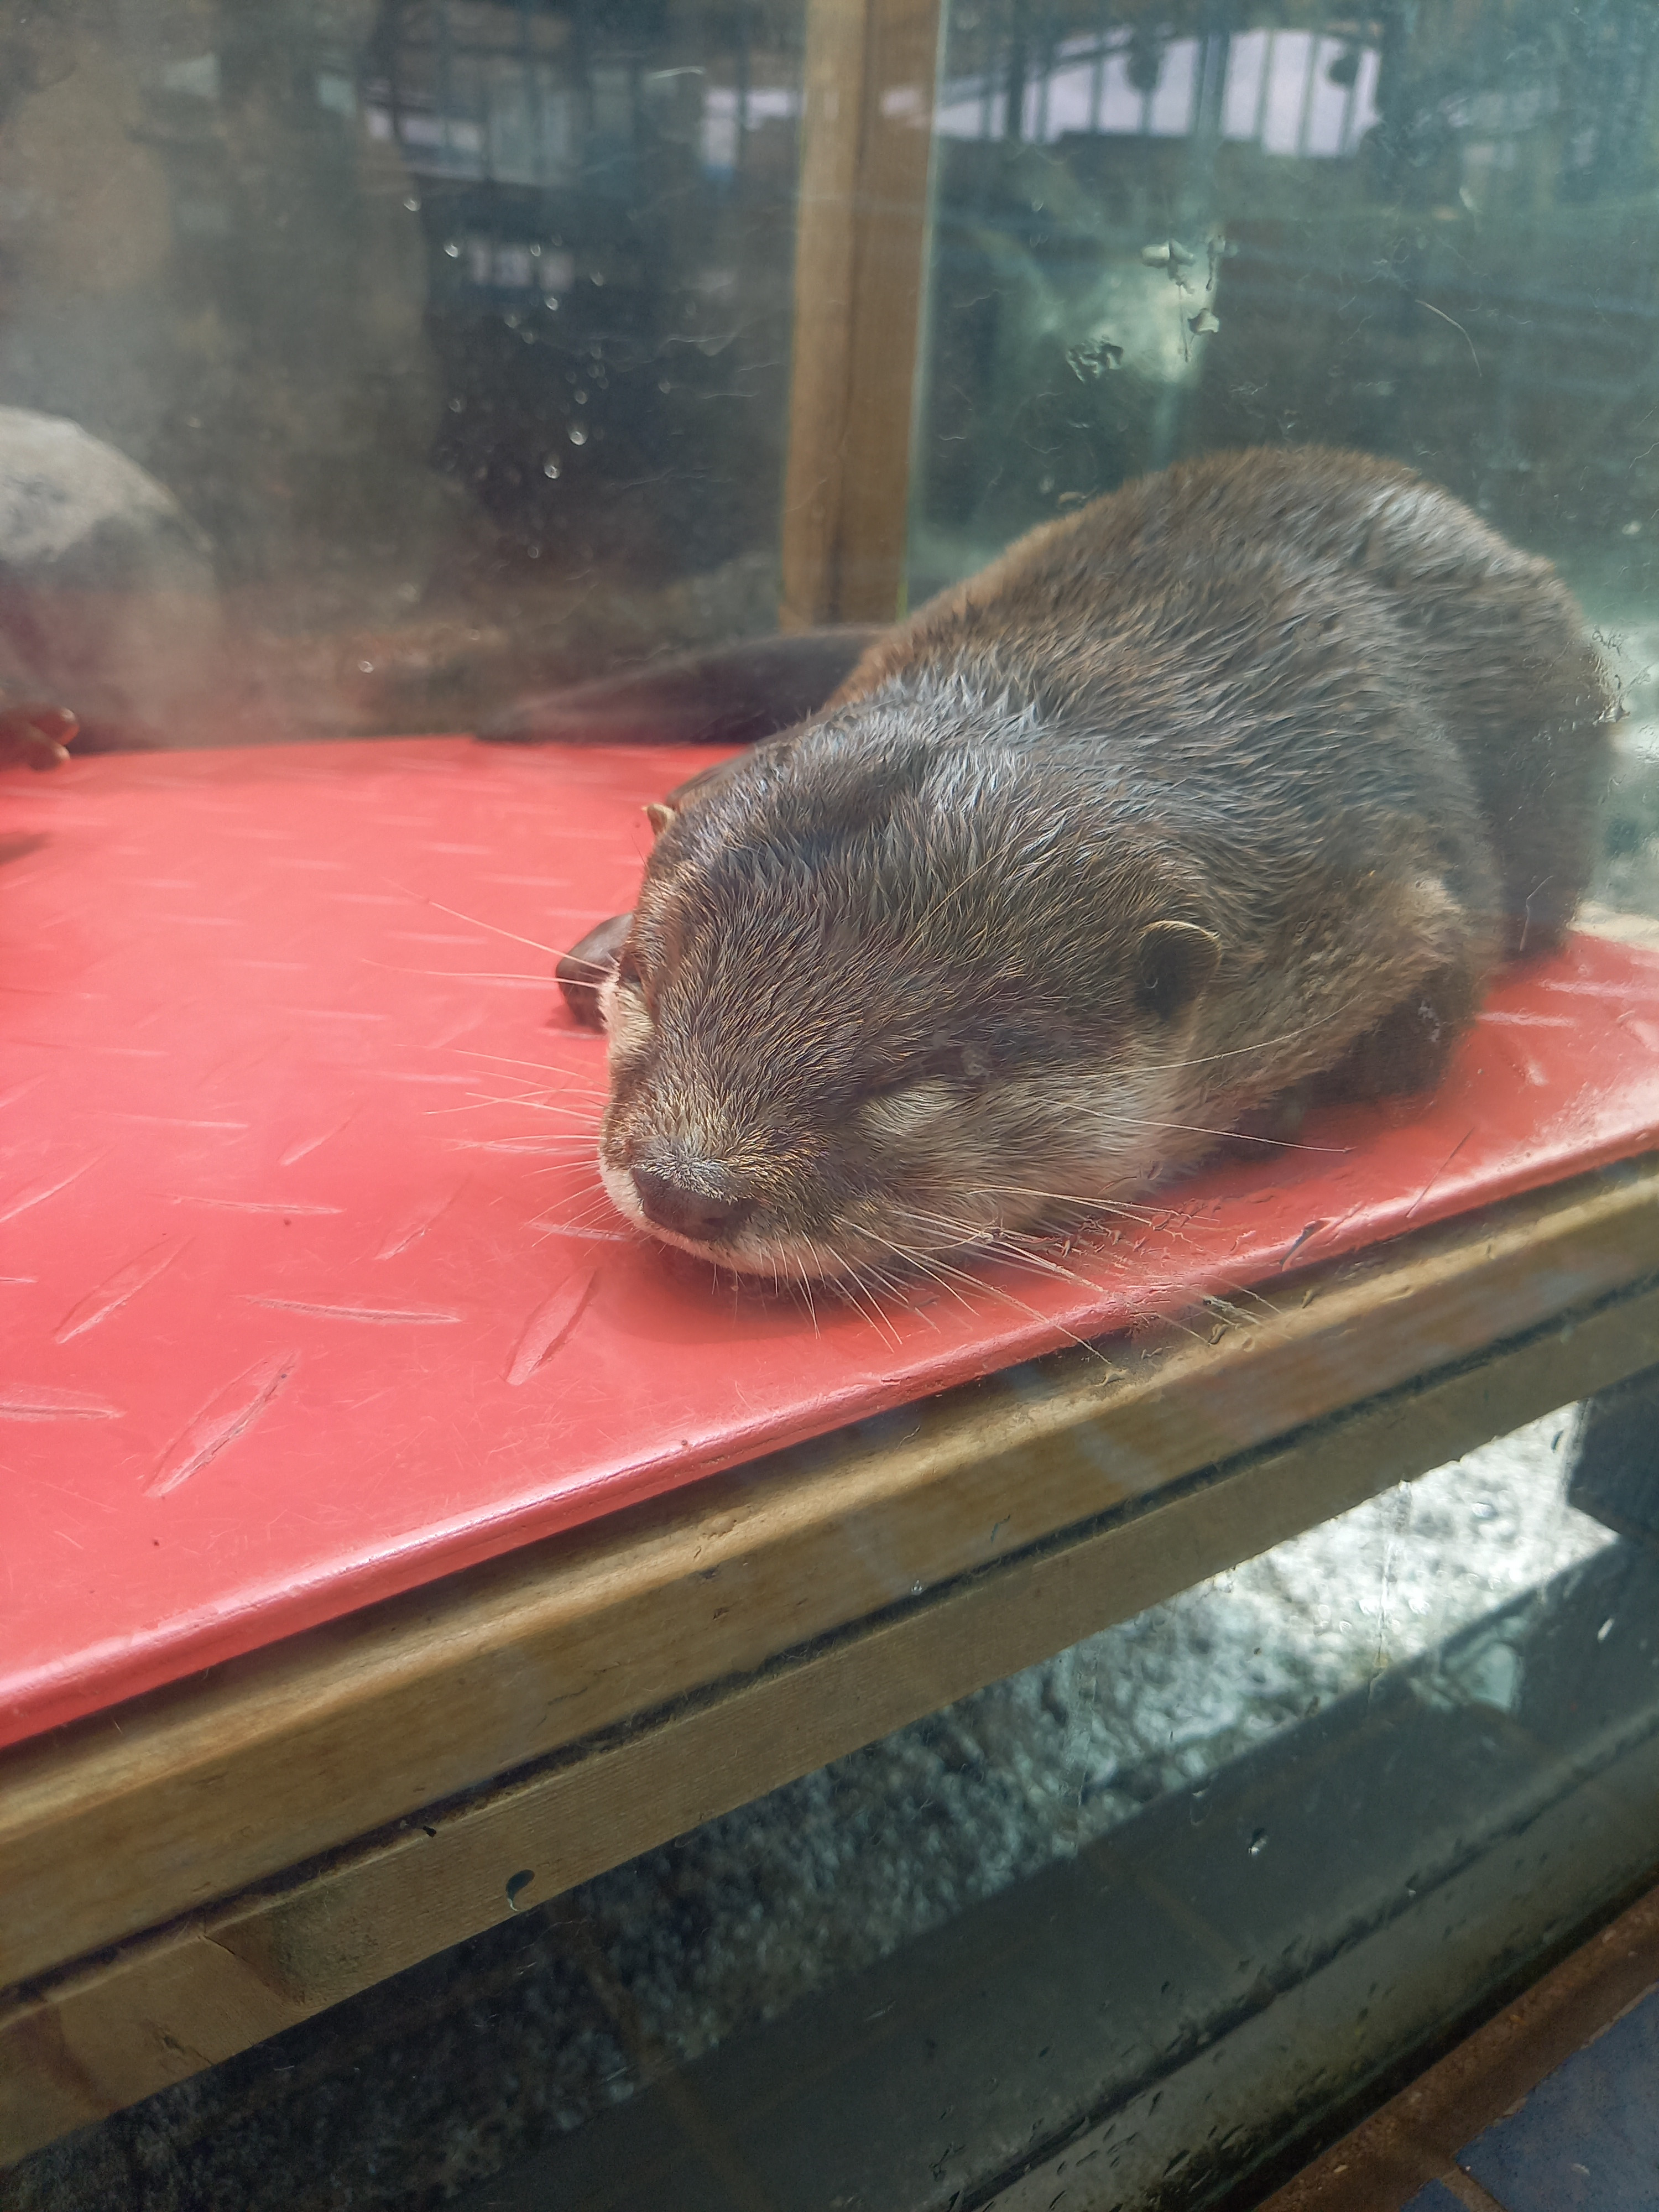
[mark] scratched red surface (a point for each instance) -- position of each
(306, 1294)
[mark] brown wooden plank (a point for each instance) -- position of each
(98, 2039)
(861, 266)
(128, 1820)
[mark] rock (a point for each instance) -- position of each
(107, 595)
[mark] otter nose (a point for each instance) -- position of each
(687, 1213)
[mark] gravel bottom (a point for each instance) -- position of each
(839, 1868)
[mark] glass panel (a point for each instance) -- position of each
(1415, 232)
(1133, 1915)
(450, 337)
(366, 365)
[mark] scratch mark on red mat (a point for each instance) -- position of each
(284, 1205)
(297, 1151)
(38, 1193)
(1302, 1237)
(1439, 1171)
(550, 1324)
(418, 1223)
(42, 1401)
(119, 1289)
(319, 1311)
(229, 1413)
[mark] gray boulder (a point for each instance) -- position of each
(108, 604)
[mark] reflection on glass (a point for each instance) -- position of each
(451, 337)
(1413, 236)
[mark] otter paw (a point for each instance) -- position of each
(582, 972)
(38, 736)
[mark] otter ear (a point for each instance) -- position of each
(659, 814)
(1174, 962)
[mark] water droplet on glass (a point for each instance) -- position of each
(534, 551)
(551, 304)
(367, 667)
(578, 435)
(456, 405)
(413, 206)
(550, 467)
(1258, 1843)
(452, 248)
(580, 399)
(1604, 1631)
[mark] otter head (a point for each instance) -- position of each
(884, 998)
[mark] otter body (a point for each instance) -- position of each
(1237, 784)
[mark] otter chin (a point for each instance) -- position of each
(1233, 789)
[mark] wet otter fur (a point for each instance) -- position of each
(1235, 785)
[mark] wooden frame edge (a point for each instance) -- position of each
(860, 270)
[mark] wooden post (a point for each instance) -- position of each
(860, 266)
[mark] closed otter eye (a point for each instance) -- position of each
(627, 1016)
(909, 1108)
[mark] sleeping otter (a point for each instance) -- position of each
(1234, 786)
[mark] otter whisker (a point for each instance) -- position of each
(566, 1148)
(918, 1260)
(806, 1286)
(842, 1281)
(535, 1106)
(577, 1209)
(1262, 1044)
(1047, 1321)
(990, 1243)
(535, 943)
(1014, 1249)
(542, 1067)
(458, 975)
(846, 1286)
(1142, 1216)
(520, 1098)
(1195, 1129)
(1040, 1263)
(589, 1221)
(900, 1290)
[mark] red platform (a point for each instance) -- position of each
(297, 1307)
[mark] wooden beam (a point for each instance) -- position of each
(860, 270)
(169, 1803)
(160, 2009)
